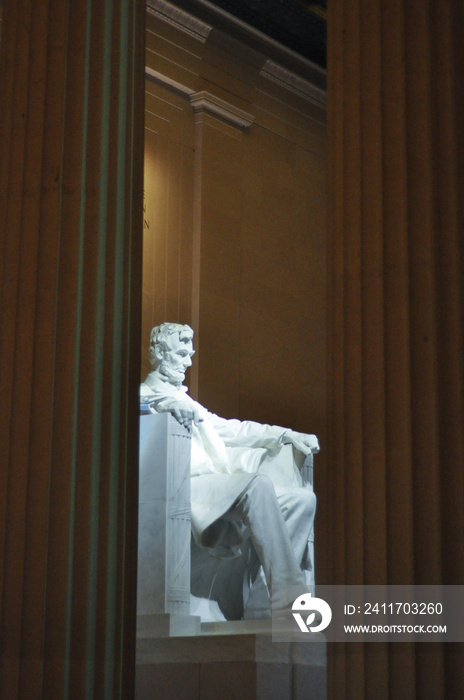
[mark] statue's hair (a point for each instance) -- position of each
(159, 337)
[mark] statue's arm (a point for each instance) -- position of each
(236, 433)
(247, 433)
(183, 408)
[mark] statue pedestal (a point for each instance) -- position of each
(231, 660)
(167, 625)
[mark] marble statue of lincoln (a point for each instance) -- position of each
(243, 473)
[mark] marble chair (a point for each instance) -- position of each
(179, 583)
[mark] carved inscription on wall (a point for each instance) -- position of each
(146, 219)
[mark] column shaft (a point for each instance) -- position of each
(71, 166)
(396, 167)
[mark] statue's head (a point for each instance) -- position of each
(171, 351)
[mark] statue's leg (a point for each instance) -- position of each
(257, 605)
(297, 506)
(259, 509)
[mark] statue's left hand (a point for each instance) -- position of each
(302, 442)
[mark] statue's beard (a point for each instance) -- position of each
(174, 375)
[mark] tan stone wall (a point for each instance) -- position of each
(168, 211)
(235, 232)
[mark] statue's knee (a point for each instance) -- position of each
(309, 500)
(262, 487)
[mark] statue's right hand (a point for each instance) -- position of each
(186, 414)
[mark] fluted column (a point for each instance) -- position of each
(71, 164)
(396, 111)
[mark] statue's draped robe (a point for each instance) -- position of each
(226, 455)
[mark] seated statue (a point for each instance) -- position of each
(249, 507)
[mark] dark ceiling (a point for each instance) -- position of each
(298, 24)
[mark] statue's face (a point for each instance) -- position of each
(175, 360)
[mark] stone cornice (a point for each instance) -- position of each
(169, 83)
(289, 80)
(180, 19)
(254, 38)
(311, 87)
(206, 103)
